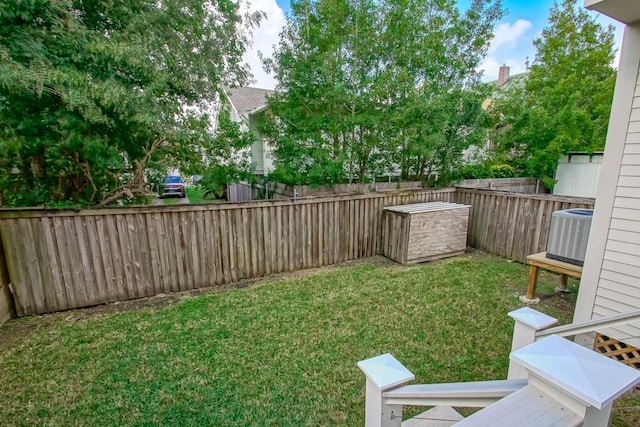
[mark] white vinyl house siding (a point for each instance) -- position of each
(611, 277)
(619, 282)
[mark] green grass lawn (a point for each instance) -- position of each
(281, 352)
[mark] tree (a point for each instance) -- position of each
(227, 158)
(311, 105)
(565, 104)
(369, 87)
(92, 93)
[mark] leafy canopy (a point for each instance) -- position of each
(369, 88)
(565, 104)
(92, 93)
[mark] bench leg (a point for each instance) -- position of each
(533, 281)
(563, 284)
(530, 298)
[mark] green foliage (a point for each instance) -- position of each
(503, 171)
(285, 176)
(195, 195)
(565, 104)
(282, 353)
(214, 181)
(484, 170)
(228, 149)
(369, 88)
(92, 94)
(474, 171)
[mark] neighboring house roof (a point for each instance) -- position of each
(516, 79)
(248, 100)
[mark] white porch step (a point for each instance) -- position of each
(528, 407)
(438, 416)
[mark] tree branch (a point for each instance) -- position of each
(136, 187)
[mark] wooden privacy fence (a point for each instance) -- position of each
(241, 192)
(513, 185)
(512, 225)
(59, 260)
(65, 259)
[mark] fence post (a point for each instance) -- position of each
(383, 373)
(528, 322)
(7, 302)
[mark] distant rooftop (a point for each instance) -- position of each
(516, 79)
(248, 100)
(504, 81)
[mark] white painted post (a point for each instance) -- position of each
(585, 381)
(528, 322)
(383, 373)
(597, 417)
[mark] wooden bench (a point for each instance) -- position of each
(540, 260)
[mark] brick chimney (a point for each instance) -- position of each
(503, 75)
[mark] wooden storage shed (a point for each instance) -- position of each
(424, 231)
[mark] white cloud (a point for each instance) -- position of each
(507, 34)
(505, 45)
(264, 38)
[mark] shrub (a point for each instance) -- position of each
(502, 171)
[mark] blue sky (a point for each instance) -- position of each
(512, 44)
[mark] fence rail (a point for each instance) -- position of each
(515, 185)
(59, 260)
(280, 191)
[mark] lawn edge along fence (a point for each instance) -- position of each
(62, 259)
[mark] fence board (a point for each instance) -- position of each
(106, 259)
(171, 250)
(65, 267)
(229, 259)
(252, 242)
(236, 229)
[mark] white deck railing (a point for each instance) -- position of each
(386, 378)
(479, 394)
(592, 325)
(532, 325)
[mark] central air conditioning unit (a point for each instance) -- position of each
(569, 234)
